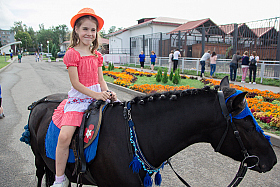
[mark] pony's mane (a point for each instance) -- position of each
(173, 95)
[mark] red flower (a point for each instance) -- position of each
(88, 133)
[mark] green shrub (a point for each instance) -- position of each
(171, 75)
(159, 75)
(103, 68)
(54, 51)
(176, 78)
(52, 58)
(165, 77)
(111, 67)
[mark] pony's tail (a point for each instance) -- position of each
(50, 177)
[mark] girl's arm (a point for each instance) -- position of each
(73, 75)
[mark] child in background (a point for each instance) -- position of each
(213, 62)
(244, 66)
(19, 58)
(153, 58)
(84, 64)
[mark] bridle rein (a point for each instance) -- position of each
(242, 168)
(228, 117)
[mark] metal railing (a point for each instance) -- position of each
(265, 69)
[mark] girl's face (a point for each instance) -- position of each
(87, 32)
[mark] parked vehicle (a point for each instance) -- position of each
(60, 54)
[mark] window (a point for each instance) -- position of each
(133, 44)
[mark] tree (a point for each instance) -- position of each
(171, 75)
(112, 29)
(54, 51)
(159, 75)
(176, 78)
(17, 27)
(165, 77)
(25, 38)
(32, 34)
(102, 33)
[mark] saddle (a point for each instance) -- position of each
(84, 136)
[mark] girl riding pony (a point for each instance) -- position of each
(84, 64)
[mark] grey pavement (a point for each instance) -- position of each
(30, 81)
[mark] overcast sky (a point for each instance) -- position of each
(125, 13)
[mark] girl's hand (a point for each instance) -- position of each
(102, 95)
(113, 96)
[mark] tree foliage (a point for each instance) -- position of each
(159, 75)
(33, 40)
(165, 77)
(24, 37)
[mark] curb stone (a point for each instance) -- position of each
(275, 140)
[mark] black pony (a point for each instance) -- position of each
(165, 124)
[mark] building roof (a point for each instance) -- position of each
(103, 41)
(212, 28)
(9, 44)
(243, 30)
(156, 21)
(262, 31)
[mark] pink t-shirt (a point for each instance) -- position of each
(87, 66)
(213, 59)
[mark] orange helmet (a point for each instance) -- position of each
(90, 12)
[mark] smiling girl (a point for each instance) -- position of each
(84, 64)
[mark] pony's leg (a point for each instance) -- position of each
(40, 169)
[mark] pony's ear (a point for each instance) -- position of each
(224, 83)
(239, 102)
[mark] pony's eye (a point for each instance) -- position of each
(250, 129)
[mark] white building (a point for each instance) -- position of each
(11, 47)
(119, 41)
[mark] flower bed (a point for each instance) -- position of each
(265, 105)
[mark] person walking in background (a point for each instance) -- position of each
(254, 59)
(176, 59)
(19, 58)
(153, 58)
(244, 66)
(37, 57)
(141, 59)
(213, 62)
(1, 108)
(206, 56)
(234, 65)
(11, 54)
(170, 60)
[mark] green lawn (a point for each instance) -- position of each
(152, 80)
(266, 81)
(2, 61)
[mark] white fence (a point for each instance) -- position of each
(265, 69)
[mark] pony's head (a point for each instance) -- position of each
(252, 136)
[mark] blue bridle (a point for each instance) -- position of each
(247, 112)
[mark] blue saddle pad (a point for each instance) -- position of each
(51, 142)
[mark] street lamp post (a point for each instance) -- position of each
(48, 46)
(25, 44)
(41, 47)
(48, 51)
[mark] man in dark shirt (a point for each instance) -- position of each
(233, 66)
